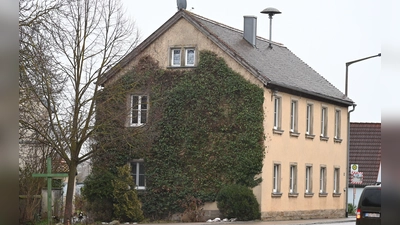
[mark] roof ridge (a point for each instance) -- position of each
(231, 28)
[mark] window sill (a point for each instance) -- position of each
(322, 138)
(323, 194)
(293, 195)
(308, 195)
(276, 131)
(181, 67)
(310, 136)
(338, 140)
(336, 194)
(294, 134)
(276, 194)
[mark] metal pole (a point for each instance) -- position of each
(351, 62)
(270, 30)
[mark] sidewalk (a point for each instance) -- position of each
(286, 222)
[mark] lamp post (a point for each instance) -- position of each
(355, 61)
(348, 125)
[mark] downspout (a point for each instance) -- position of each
(347, 158)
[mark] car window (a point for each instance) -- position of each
(372, 198)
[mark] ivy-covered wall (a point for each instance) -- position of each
(205, 130)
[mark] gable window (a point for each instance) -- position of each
(337, 124)
(293, 179)
(309, 122)
(308, 180)
(176, 57)
(322, 180)
(324, 121)
(336, 185)
(277, 113)
(190, 57)
(276, 178)
(139, 108)
(293, 116)
(183, 56)
(137, 171)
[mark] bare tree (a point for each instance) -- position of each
(83, 38)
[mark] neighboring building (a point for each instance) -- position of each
(365, 150)
(305, 116)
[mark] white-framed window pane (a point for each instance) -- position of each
(309, 119)
(292, 182)
(336, 181)
(322, 182)
(276, 178)
(139, 108)
(190, 57)
(324, 122)
(176, 57)
(138, 174)
(293, 116)
(337, 124)
(277, 103)
(308, 179)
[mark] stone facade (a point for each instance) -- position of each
(303, 214)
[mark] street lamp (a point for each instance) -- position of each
(348, 125)
(351, 62)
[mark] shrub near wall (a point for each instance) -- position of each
(236, 201)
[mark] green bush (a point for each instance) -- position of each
(351, 209)
(236, 201)
(97, 189)
(127, 206)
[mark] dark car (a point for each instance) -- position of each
(369, 206)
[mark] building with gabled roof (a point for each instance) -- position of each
(305, 116)
(365, 151)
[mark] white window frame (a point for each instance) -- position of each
(308, 188)
(136, 177)
(293, 179)
(173, 58)
(187, 56)
(322, 180)
(140, 111)
(337, 123)
(324, 121)
(336, 181)
(277, 112)
(293, 116)
(309, 119)
(276, 178)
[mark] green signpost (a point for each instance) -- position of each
(49, 177)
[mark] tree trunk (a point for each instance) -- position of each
(70, 193)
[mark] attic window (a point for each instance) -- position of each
(183, 57)
(176, 57)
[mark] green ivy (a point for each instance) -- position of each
(205, 131)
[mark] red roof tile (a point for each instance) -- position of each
(365, 150)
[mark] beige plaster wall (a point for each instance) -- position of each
(286, 149)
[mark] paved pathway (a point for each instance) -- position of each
(287, 222)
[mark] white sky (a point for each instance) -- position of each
(324, 34)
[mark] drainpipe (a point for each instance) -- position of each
(347, 158)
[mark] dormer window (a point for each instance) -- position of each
(183, 57)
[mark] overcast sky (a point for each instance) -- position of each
(324, 34)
